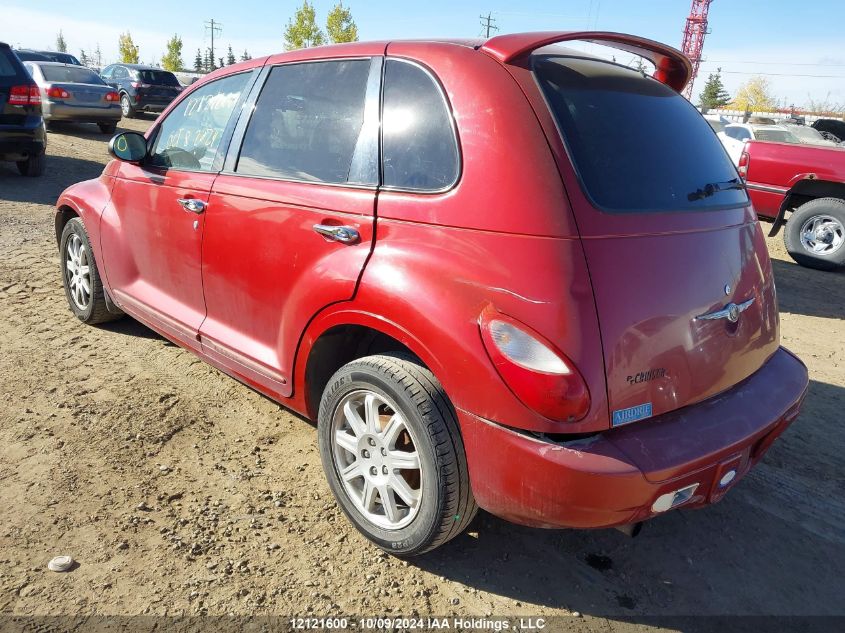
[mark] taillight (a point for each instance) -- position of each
(24, 95)
(744, 160)
(540, 376)
(135, 84)
(57, 93)
(112, 96)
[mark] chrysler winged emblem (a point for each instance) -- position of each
(730, 312)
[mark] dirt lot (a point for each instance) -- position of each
(180, 491)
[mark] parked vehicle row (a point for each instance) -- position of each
(565, 327)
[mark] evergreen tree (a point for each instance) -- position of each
(230, 57)
(83, 58)
(61, 45)
(246, 56)
(98, 56)
(340, 26)
(714, 94)
(172, 59)
(199, 62)
(302, 30)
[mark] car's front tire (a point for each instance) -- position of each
(80, 277)
(815, 234)
(126, 107)
(392, 451)
(33, 166)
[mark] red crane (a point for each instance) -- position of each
(694, 33)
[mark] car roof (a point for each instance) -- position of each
(47, 63)
(140, 67)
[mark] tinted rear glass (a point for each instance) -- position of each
(158, 77)
(637, 145)
(776, 136)
(9, 66)
(71, 75)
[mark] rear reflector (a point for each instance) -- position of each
(674, 499)
(112, 96)
(24, 95)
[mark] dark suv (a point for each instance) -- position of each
(23, 138)
(142, 88)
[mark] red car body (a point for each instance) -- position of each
(783, 176)
(253, 290)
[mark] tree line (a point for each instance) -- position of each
(302, 31)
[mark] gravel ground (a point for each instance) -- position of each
(181, 491)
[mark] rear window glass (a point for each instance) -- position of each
(637, 145)
(8, 65)
(158, 77)
(71, 75)
(775, 136)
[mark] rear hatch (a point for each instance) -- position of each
(681, 276)
(158, 85)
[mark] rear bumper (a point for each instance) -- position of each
(614, 478)
(82, 114)
(17, 143)
(152, 105)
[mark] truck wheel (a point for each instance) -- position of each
(33, 166)
(393, 454)
(815, 234)
(80, 277)
(126, 106)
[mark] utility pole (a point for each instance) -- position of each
(214, 27)
(488, 23)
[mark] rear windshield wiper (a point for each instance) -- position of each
(715, 187)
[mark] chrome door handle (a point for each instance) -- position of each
(345, 234)
(192, 204)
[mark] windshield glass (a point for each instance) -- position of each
(158, 77)
(71, 75)
(637, 145)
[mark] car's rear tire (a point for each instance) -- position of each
(126, 107)
(393, 454)
(33, 166)
(80, 277)
(107, 128)
(815, 234)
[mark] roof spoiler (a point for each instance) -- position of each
(672, 66)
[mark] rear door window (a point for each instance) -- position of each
(636, 144)
(419, 146)
(307, 122)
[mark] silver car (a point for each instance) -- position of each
(75, 93)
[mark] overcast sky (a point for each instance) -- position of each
(797, 47)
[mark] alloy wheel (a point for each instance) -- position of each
(78, 271)
(375, 456)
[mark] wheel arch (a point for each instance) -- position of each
(64, 214)
(804, 191)
(338, 337)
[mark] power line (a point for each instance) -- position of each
(747, 72)
(488, 23)
(745, 61)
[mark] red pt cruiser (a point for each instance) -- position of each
(499, 274)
